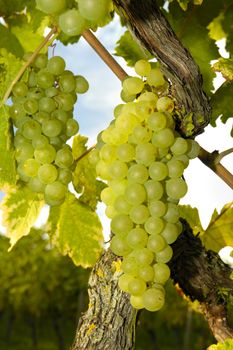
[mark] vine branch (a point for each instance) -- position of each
(209, 159)
(223, 154)
(27, 64)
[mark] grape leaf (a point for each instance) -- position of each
(191, 215)
(21, 207)
(216, 31)
(10, 42)
(78, 231)
(219, 232)
(227, 345)
(183, 4)
(222, 103)
(225, 66)
(7, 159)
(227, 24)
(9, 67)
(79, 146)
(128, 48)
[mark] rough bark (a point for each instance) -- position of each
(109, 322)
(152, 30)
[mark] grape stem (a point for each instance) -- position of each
(209, 159)
(27, 64)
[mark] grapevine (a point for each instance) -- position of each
(42, 114)
(142, 158)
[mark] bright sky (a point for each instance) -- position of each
(94, 112)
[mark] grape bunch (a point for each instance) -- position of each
(73, 21)
(142, 158)
(42, 114)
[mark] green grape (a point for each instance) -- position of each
(157, 121)
(175, 168)
(164, 255)
(108, 196)
(45, 79)
(137, 238)
(154, 225)
(161, 273)
(123, 282)
(40, 61)
(108, 153)
(92, 11)
(72, 127)
(156, 243)
(67, 83)
(61, 115)
(170, 233)
(51, 127)
(24, 152)
(118, 110)
(176, 188)
(47, 173)
(56, 142)
(118, 186)
(193, 149)
(130, 266)
(121, 205)
(133, 85)
(51, 91)
(139, 214)
(141, 134)
(172, 214)
(36, 185)
(17, 111)
(51, 6)
(94, 157)
(35, 93)
(65, 176)
(126, 122)
(155, 78)
(71, 22)
(45, 154)
(40, 141)
(143, 256)
(19, 140)
(158, 171)
(121, 224)
(142, 67)
(153, 299)
(41, 116)
(136, 301)
(137, 173)
(180, 146)
(55, 191)
(145, 154)
(163, 138)
(64, 158)
(150, 97)
(102, 170)
(157, 208)
(65, 101)
(135, 194)
(136, 286)
(21, 173)
(126, 152)
(118, 169)
(20, 89)
(31, 106)
(154, 189)
(56, 65)
(82, 84)
(47, 104)
(32, 79)
(30, 167)
(183, 158)
(165, 104)
(119, 246)
(146, 273)
(110, 212)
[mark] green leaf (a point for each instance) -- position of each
(227, 24)
(183, 4)
(128, 48)
(191, 215)
(7, 158)
(21, 207)
(9, 67)
(10, 42)
(225, 66)
(216, 31)
(219, 232)
(222, 103)
(79, 146)
(227, 345)
(76, 231)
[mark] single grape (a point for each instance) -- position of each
(51, 127)
(193, 149)
(136, 301)
(158, 171)
(119, 246)
(154, 189)
(67, 83)
(55, 191)
(153, 299)
(175, 168)
(170, 233)
(157, 208)
(157, 121)
(40, 61)
(65, 176)
(172, 213)
(165, 104)
(161, 273)
(139, 214)
(108, 196)
(20, 89)
(121, 224)
(180, 146)
(154, 225)
(41, 116)
(110, 212)
(164, 255)
(163, 138)
(123, 282)
(51, 6)
(120, 204)
(64, 158)
(71, 22)
(130, 266)
(30, 167)
(146, 273)
(36, 185)
(72, 127)
(176, 188)
(132, 85)
(45, 79)
(61, 115)
(136, 286)
(126, 152)
(137, 173)
(40, 141)
(108, 153)
(21, 173)
(135, 194)
(91, 11)
(143, 256)
(145, 153)
(51, 91)
(31, 106)
(56, 65)
(45, 154)
(118, 169)
(82, 85)
(47, 173)
(142, 67)
(65, 101)
(155, 77)
(137, 238)
(17, 111)
(141, 134)
(156, 243)
(25, 152)
(47, 104)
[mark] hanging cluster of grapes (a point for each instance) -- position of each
(142, 158)
(42, 114)
(73, 21)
